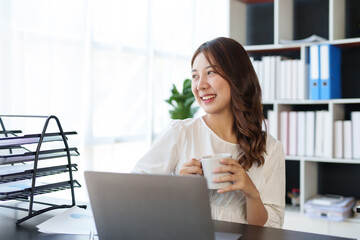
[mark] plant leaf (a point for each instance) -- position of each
(181, 102)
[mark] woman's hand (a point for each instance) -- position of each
(191, 167)
(239, 177)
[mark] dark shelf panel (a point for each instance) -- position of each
(260, 23)
(311, 17)
(350, 72)
(352, 19)
(340, 179)
(292, 177)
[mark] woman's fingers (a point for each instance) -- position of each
(192, 162)
(227, 189)
(226, 169)
(191, 167)
(229, 161)
(226, 178)
(231, 166)
(191, 170)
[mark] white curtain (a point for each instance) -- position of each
(104, 67)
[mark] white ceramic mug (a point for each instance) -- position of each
(209, 163)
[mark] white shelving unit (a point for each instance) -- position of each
(250, 22)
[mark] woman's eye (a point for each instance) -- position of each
(210, 72)
(194, 77)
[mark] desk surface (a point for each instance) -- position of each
(28, 230)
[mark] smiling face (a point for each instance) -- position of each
(211, 91)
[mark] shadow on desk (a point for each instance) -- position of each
(250, 232)
(28, 231)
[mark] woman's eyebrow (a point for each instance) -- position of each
(194, 70)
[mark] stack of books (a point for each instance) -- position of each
(330, 207)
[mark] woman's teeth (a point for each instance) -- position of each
(208, 97)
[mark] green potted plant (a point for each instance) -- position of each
(182, 102)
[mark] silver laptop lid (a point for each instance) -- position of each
(137, 206)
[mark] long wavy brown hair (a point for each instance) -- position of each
(230, 60)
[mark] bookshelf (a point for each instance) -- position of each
(261, 27)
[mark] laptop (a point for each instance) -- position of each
(138, 206)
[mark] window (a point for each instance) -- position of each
(104, 67)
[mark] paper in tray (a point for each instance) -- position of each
(25, 171)
(10, 132)
(30, 156)
(17, 186)
(31, 139)
(22, 189)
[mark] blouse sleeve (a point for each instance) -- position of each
(273, 191)
(164, 154)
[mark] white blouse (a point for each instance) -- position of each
(183, 140)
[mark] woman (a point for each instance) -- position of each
(226, 87)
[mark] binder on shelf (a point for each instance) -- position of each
(283, 79)
(347, 139)
(289, 82)
(338, 139)
(295, 80)
(272, 127)
(327, 144)
(301, 133)
(355, 122)
(272, 77)
(301, 84)
(266, 77)
(314, 75)
(319, 133)
(284, 131)
(310, 133)
(293, 133)
(330, 68)
(278, 77)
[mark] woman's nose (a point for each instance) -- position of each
(202, 83)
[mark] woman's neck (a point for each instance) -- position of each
(222, 126)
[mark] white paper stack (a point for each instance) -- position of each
(320, 207)
(75, 220)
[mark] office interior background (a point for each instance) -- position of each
(105, 67)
